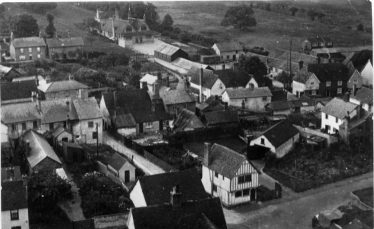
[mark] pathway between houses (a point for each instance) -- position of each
(148, 167)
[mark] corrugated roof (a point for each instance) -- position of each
(13, 196)
(338, 108)
(25, 42)
(65, 85)
(167, 49)
(280, 133)
(229, 46)
(65, 42)
(87, 108)
(239, 93)
(40, 149)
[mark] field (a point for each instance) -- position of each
(274, 30)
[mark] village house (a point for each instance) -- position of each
(305, 83)
(177, 99)
(40, 155)
(335, 113)
(236, 79)
(131, 112)
(363, 97)
(126, 33)
(70, 48)
(175, 213)
(117, 168)
(65, 89)
(60, 134)
(228, 51)
(316, 43)
(362, 62)
(169, 53)
(149, 82)
(280, 138)
(213, 103)
(205, 83)
(14, 207)
(355, 80)
(18, 92)
(186, 120)
(27, 49)
(229, 175)
(155, 189)
(8, 73)
(253, 99)
(367, 74)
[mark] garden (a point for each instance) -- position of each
(305, 167)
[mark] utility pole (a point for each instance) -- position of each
(97, 140)
(290, 62)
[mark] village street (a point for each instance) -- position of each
(296, 211)
(148, 167)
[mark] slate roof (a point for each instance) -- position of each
(167, 49)
(17, 90)
(65, 42)
(364, 95)
(233, 79)
(229, 46)
(338, 108)
(241, 93)
(13, 196)
(225, 161)
(40, 149)
(58, 110)
(20, 112)
(156, 188)
(117, 161)
(26, 42)
(65, 85)
(209, 78)
(221, 117)
(176, 96)
(87, 108)
(330, 71)
(280, 133)
(121, 26)
(201, 214)
(125, 121)
(187, 120)
(187, 64)
(59, 130)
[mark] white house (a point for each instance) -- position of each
(205, 83)
(305, 83)
(14, 209)
(228, 175)
(155, 189)
(367, 74)
(335, 113)
(4, 133)
(254, 99)
(280, 138)
(363, 97)
(149, 81)
(228, 51)
(117, 168)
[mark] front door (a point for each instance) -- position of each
(127, 176)
(253, 194)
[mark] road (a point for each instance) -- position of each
(148, 167)
(296, 211)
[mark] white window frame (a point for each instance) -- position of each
(38, 49)
(21, 50)
(340, 83)
(148, 125)
(339, 90)
(30, 49)
(38, 56)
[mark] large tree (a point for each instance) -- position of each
(167, 23)
(25, 25)
(50, 30)
(253, 65)
(240, 17)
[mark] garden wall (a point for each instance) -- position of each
(304, 131)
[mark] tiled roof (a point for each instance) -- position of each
(26, 42)
(87, 108)
(117, 161)
(221, 117)
(156, 188)
(175, 96)
(13, 196)
(65, 42)
(364, 95)
(40, 149)
(187, 120)
(209, 78)
(202, 214)
(225, 161)
(58, 110)
(123, 27)
(65, 85)
(18, 90)
(280, 133)
(233, 79)
(229, 46)
(329, 72)
(20, 112)
(338, 108)
(167, 49)
(59, 130)
(125, 121)
(150, 79)
(240, 93)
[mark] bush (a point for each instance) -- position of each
(360, 27)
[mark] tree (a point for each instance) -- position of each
(252, 65)
(311, 14)
(25, 26)
(240, 17)
(360, 27)
(167, 23)
(293, 10)
(50, 30)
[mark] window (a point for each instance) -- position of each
(90, 124)
(38, 56)
(22, 57)
(14, 127)
(30, 49)
(328, 83)
(30, 57)
(311, 83)
(262, 141)
(14, 215)
(340, 83)
(24, 126)
(264, 98)
(227, 57)
(214, 188)
(35, 124)
(246, 192)
(21, 50)
(148, 125)
(238, 194)
(336, 120)
(248, 178)
(215, 174)
(17, 227)
(94, 135)
(38, 49)
(50, 126)
(339, 90)
(326, 116)
(241, 180)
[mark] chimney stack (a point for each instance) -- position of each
(201, 85)
(207, 147)
(301, 64)
(175, 197)
(69, 105)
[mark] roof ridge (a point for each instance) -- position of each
(232, 151)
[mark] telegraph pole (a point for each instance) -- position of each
(97, 140)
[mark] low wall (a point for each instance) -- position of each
(305, 132)
(111, 221)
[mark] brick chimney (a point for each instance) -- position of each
(207, 148)
(175, 197)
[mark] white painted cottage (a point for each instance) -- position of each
(254, 99)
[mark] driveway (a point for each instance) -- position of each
(148, 167)
(296, 211)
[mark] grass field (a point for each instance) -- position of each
(273, 30)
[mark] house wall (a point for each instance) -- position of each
(130, 221)
(47, 164)
(227, 56)
(367, 74)
(23, 222)
(331, 122)
(127, 167)
(331, 91)
(4, 133)
(355, 79)
(137, 197)
(84, 132)
(16, 54)
(105, 112)
(61, 51)
(18, 131)
(77, 93)
(153, 127)
(286, 147)
(253, 104)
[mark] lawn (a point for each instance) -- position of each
(305, 168)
